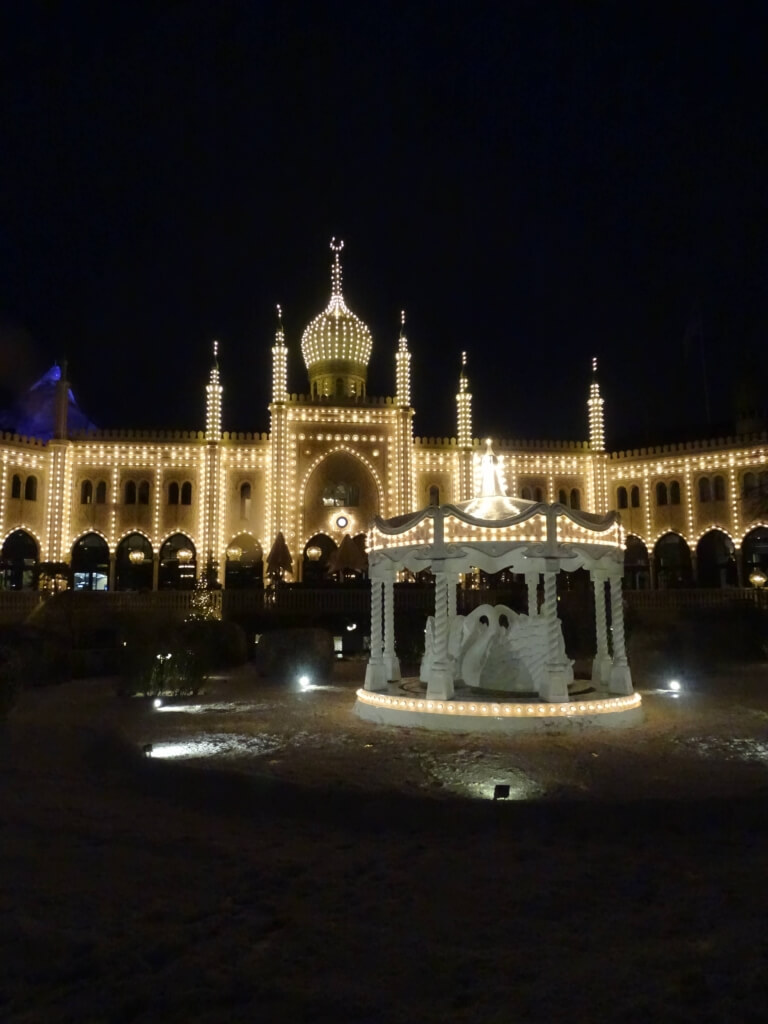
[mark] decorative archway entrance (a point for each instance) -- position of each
(178, 563)
(716, 560)
(637, 566)
(244, 568)
(317, 554)
(90, 563)
(133, 563)
(18, 561)
(672, 558)
(754, 551)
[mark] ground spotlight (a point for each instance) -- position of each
(157, 702)
(675, 685)
(304, 682)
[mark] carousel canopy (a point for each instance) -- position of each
(493, 531)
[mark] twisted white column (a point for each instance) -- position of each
(391, 663)
(617, 621)
(440, 684)
(601, 664)
(374, 673)
(621, 677)
(532, 583)
(558, 674)
(550, 611)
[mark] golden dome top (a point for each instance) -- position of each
(336, 335)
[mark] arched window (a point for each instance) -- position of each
(538, 494)
(245, 501)
(16, 486)
(635, 497)
(562, 496)
(661, 493)
(339, 387)
(86, 492)
(527, 494)
(30, 488)
(173, 493)
(144, 492)
(434, 495)
(186, 493)
(719, 488)
(705, 489)
(101, 492)
(749, 485)
(674, 493)
(130, 492)
(621, 497)
(576, 498)
(341, 495)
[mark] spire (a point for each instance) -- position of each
(279, 362)
(336, 248)
(595, 407)
(213, 405)
(464, 407)
(403, 368)
(280, 334)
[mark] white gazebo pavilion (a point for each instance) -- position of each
(494, 532)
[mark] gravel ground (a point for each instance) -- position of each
(277, 859)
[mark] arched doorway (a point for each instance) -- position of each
(244, 568)
(317, 553)
(341, 496)
(178, 563)
(672, 558)
(637, 566)
(133, 563)
(716, 560)
(754, 552)
(19, 561)
(90, 563)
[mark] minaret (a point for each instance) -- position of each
(278, 512)
(212, 533)
(595, 406)
(60, 472)
(213, 392)
(403, 469)
(464, 433)
(597, 444)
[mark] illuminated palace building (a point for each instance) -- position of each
(134, 510)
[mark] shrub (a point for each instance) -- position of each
(288, 653)
(176, 659)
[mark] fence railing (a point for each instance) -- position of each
(418, 599)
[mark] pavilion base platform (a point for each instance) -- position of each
(406, 704)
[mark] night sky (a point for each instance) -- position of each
(536, 183)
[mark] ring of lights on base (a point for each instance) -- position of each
(496, 709)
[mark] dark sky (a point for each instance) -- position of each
(534, 182)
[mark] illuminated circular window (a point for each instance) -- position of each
(342, 522)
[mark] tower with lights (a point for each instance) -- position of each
(403, 448)
(464, 434)
(597, 443)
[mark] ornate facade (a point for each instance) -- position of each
(125, 509)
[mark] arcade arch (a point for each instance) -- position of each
(672, 561)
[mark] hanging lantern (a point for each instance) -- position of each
(758, 578)
(314, 553)
(185, 555)
(135, 556)
(234, 553)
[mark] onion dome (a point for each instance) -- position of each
(337, 344)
